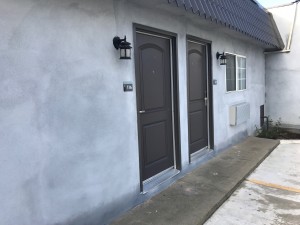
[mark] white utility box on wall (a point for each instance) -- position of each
(239, 113)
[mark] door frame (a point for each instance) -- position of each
(174, 94)
(210, 118)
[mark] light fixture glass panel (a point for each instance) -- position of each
(122, 53)
(128, 53)
(223, 61)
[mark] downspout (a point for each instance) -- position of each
(292, 28)
(288, 47)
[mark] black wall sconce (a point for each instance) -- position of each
(222, 57)
(124, 46)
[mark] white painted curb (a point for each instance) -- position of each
(289, 141)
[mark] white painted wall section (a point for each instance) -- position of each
(68, 133)
(283, 72)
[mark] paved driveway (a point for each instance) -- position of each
(270, 195)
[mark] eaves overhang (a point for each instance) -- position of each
(243, 16)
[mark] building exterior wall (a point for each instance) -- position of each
(283, 72)
(68, 143)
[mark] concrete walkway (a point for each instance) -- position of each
(270, 195)
(195, 197)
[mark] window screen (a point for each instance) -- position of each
(235, 72)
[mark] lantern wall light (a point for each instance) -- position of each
(222, 58)
(124, 46)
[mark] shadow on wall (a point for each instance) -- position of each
(232, 141)
(103, 214)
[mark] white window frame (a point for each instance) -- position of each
(236, 73)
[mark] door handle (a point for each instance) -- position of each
(205, 98)
(142, 111)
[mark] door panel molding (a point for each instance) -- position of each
(173, 124)
(194, 105)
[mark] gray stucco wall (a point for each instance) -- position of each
(68, 132)
(283, 72)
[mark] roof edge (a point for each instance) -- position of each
(283, 5)
(278, 36)
(260, 27)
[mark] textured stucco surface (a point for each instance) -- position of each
(283, 72)
(68, 132)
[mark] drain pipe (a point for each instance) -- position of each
(293, 27)
(288, 47)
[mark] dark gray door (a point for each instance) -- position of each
(197, 96)
(154, 96)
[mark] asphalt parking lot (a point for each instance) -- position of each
(270, 195)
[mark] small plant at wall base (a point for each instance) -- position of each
(270, 129)
(274, 130)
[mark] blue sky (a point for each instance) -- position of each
(269, 3)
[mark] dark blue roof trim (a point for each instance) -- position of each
(244, 16)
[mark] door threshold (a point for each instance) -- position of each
(199, 154)
(158, 179)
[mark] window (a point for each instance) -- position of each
(235, 72)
